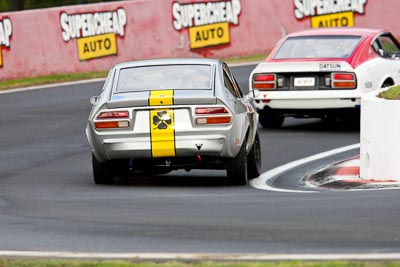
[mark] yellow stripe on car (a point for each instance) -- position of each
(161, 98)
(162, 123)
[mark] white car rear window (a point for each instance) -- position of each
(318, 47)
(164, 77)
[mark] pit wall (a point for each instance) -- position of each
(44, 42)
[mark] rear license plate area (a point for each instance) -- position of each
(304, 83)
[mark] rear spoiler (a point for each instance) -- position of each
(177, 100)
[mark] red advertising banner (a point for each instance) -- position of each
(94, 37)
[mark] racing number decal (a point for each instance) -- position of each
(162, 124)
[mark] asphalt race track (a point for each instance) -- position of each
(48, 201)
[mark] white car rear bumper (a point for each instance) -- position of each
(309, 100)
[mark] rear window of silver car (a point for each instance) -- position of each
(318, 47)
(164, 77)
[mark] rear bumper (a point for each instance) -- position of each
(130, 148)
(295, 104)
(222, 143)
(349, 113)
(309, 100)
(181, 140)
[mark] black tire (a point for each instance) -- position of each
(237, 168)
(102, 172)
(254, 159)
(270, 119)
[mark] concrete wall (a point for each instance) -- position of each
(37, 42)
(380, 131)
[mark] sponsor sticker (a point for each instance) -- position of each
(328, 13)
(345, 19)
(97, 46)
(209, 35)
(208, 23)
(5, 36)
(95, 32)
(162, 132)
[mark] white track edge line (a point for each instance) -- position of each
(38, 87)
(261, 181)
(201, 256)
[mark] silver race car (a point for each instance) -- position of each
(161, 115)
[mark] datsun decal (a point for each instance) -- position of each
(329, 66)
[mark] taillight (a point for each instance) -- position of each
(264, 81)
(214, 120)
(111, 124)
(343, 80)
(212, 115)
(113, 114)
(106, 119)
(211, 110)
(264, 78)
(343, 76)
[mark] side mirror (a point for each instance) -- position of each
(253, 94)
(94, 100)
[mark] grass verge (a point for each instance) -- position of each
(58, 78)
(392, 94)
(251, 58)
(74, 263)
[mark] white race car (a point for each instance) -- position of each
(323, 73)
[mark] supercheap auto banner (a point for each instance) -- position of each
(94, 37)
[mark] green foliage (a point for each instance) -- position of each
(392, 94)
(250, 58)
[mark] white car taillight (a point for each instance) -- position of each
(343, 80)
(264, 81)
(212, 115)
(109, 123)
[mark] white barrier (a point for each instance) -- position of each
(380, 135)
